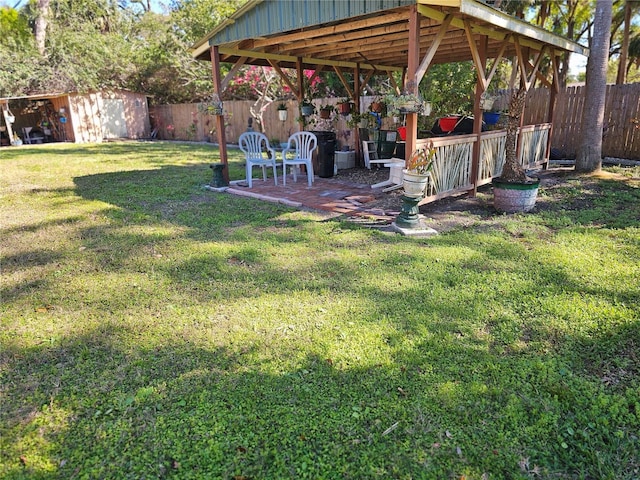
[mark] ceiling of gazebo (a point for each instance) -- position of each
(344, 33)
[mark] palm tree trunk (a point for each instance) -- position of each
(589, 156)
(512, 171)
(42, 20)
(624, 49)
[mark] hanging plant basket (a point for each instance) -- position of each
(212, 106)
(282, 115)
(487, 103)
(409, 106)
(344, 108)
(325, 113)
(306, 110)
(377, 107)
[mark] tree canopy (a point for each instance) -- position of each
(81, 45)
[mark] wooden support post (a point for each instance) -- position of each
(300, 93)
(356, 108)
(553, 99)
(217, 88)
(481, 85)
(413, 62)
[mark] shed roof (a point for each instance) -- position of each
(370, 33)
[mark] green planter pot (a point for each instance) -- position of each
(514, 197)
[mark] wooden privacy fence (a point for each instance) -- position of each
(185, 122)
(621, 130)
(621, 136)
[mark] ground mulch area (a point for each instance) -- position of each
(477, 212)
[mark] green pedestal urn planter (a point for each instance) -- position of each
(514, 197)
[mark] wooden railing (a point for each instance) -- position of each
(534, 144)
(492, 154)
(451, 173)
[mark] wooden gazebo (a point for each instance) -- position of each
(368, 38)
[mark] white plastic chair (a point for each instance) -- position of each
(255, 146)
(25, 132)
(395, 165)
(301, 146)
(371, 155)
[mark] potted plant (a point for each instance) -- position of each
(491, 117)
(282, 111)
(409, 103)
(359, 120)
(344, 106)
(405, 103)
(212, 106)
(487, 101)
(513, 191)
(415, 176)
(306, 108)
(325, 111)
(377, 105)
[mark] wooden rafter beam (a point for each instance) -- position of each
(492, 33)
(527, 69)
(365, 81)
(555, 75)
(393, 83)
(343, 80)
(477, 61)
(359, 41)
(396, 30)
(536, 65)
(229, 53)
(497, 59)
(331, 30)
(522, 66)
(232, 72)
(433, 48)
(285, 78)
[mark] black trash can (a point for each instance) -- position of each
(326, 153)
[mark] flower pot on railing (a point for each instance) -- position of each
(306, 110)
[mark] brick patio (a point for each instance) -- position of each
(333, 195)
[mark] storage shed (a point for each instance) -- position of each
(74, 117)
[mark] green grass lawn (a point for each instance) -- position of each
(153, 329)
